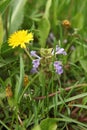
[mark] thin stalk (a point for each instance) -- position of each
(28, 54)
(4, 125)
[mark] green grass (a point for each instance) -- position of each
(48, 101)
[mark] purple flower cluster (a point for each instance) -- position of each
(57, 64)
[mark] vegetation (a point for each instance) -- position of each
(43, 66)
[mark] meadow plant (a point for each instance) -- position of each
(57, 64)
(43, 66)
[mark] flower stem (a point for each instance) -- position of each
(28, 54)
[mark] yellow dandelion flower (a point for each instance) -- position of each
(20, 38)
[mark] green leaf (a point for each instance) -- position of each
(5, 126)
(16, 14)
(11, 102)
(36, 128)
(19, 127)
(78, 20)
(48, 5)
(3, 5)
(44, 25)
(7, 62)
(1, 31)
(7, 51)
(2, 93)
(83, 63)
(19, 82)
(77, 54)
(44, 28)
(48, 124)
(2, 64)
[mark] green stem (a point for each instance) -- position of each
(4, 125)
(28, 54)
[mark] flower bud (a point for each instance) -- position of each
(9, 92)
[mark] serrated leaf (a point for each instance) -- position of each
(16, 14)
(48, 124)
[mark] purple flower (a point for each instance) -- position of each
(58, 67)
(36, 63)
(33, 70)
(59, 51)
(33, 53)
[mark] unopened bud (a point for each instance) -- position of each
(26, 80)
(66, 23)
(9, 92)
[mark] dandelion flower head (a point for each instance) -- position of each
(20, 38)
